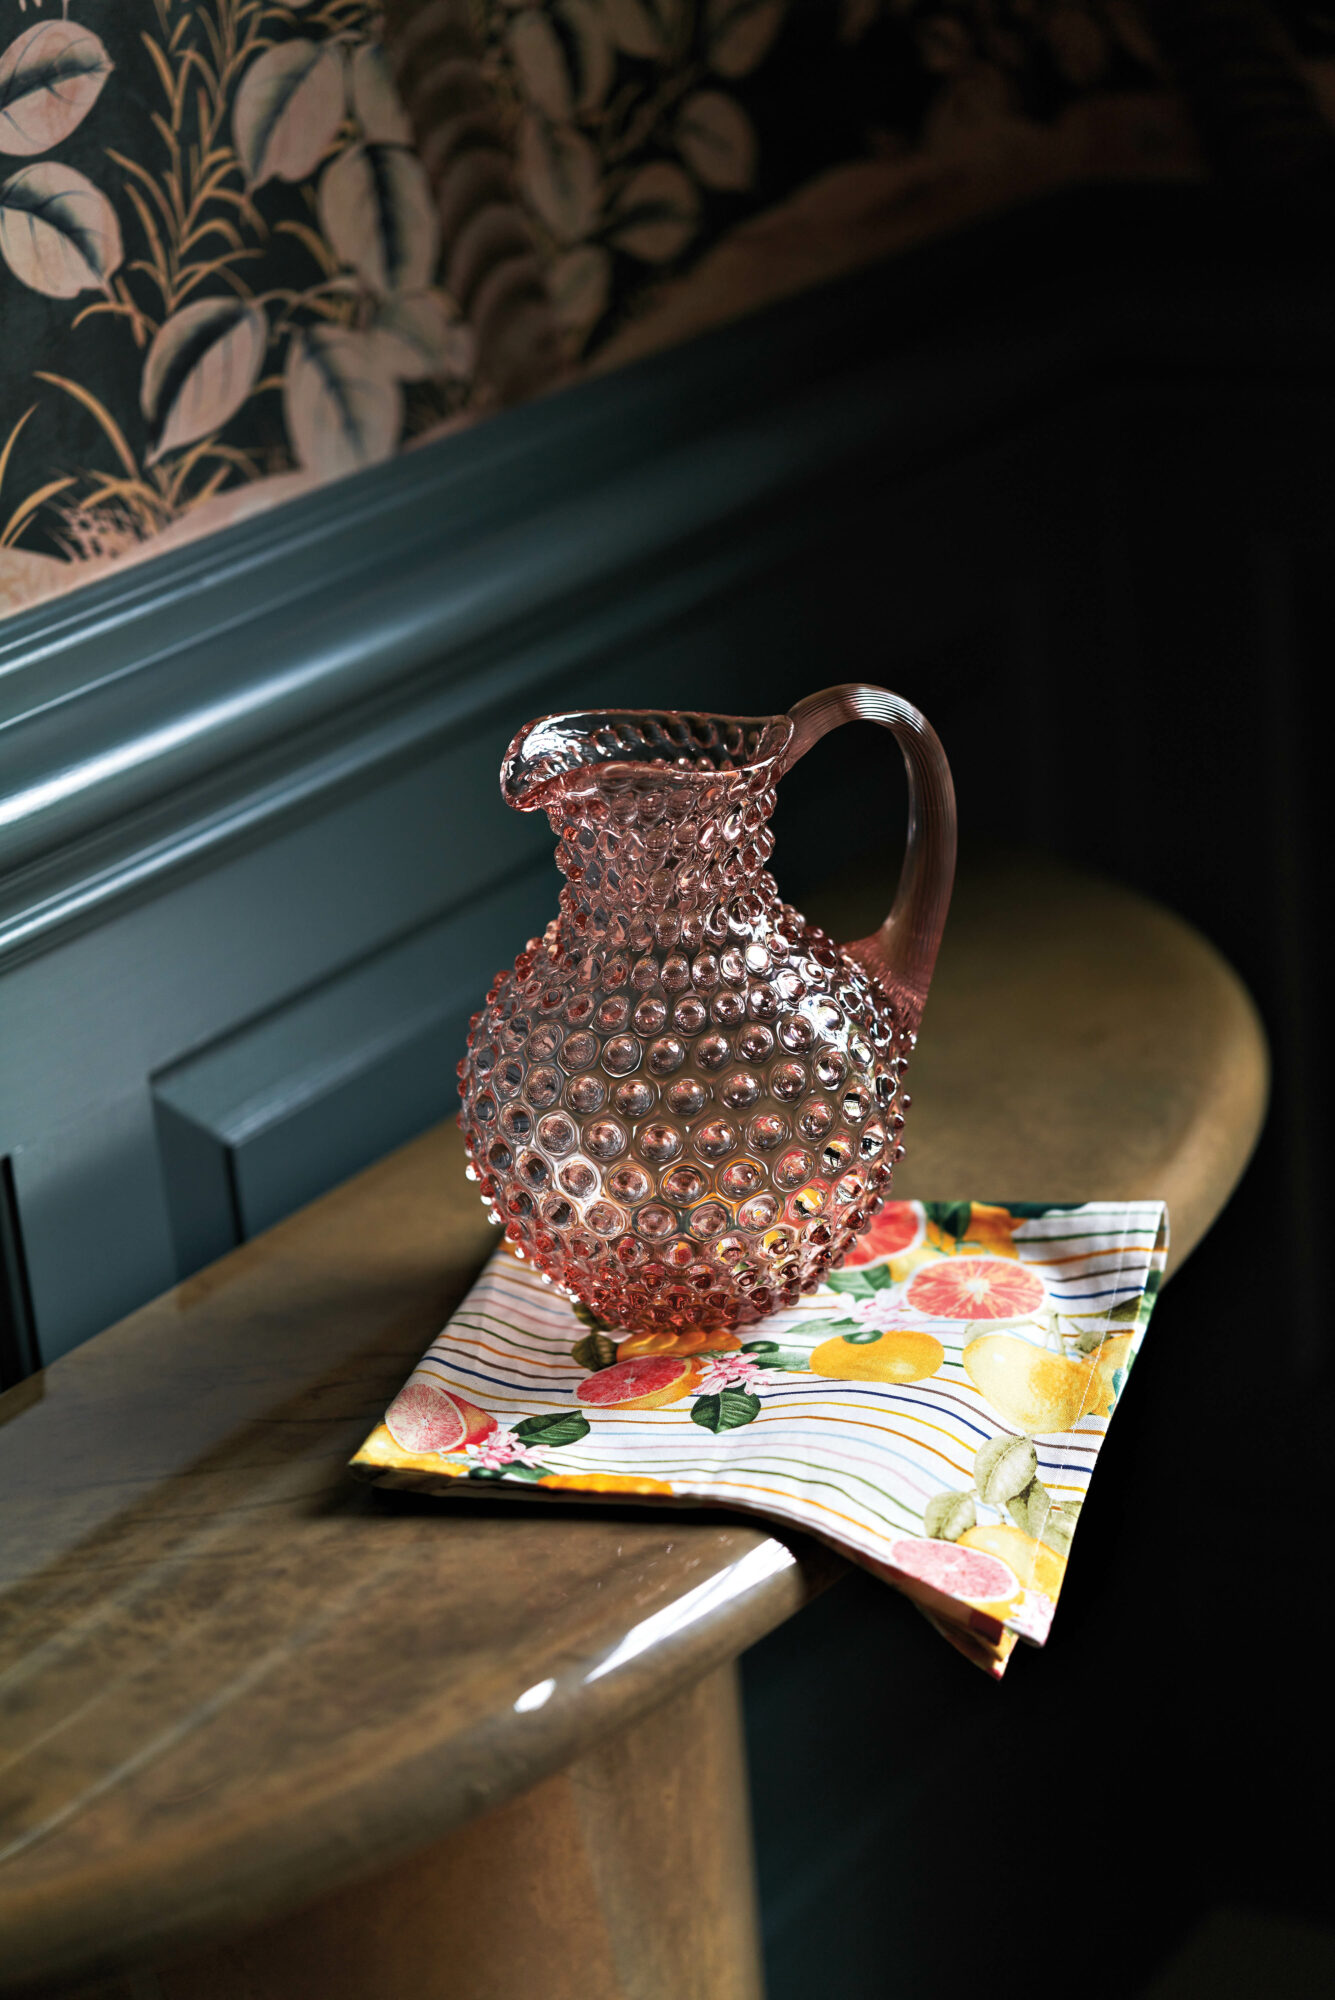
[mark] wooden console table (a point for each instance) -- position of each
(267, 1733)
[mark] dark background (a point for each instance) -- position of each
(1151, 711)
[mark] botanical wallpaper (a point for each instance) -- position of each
(217, 254)
(247, 246)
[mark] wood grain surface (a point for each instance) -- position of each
(627, 1876)
(233, 1681)
(1080, 1043)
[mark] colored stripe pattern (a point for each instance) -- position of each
(934, 1411)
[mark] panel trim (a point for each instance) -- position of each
(18, 1338)
(154, 717)
(368, 1056)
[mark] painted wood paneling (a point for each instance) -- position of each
(277, 1111)
(238, 782)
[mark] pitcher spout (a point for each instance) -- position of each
(660, 819)
(572, 754)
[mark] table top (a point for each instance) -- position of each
(232, 1677)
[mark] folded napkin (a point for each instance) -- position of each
(933, 1410)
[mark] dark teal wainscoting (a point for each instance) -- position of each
(254, 867)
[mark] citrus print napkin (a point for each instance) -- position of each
(933, 1410)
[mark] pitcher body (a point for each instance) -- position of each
(684, 1102)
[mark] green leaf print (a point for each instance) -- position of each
(770, 1354)
(1030, 1508)
(947, 1516)
(1003, 1467)
(861, 1284)
(726, 1411)
(951, 1217)
(561, 1427)
(595, 1351)
(1029, 1211)
(1059, 1525)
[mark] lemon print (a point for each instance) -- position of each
(899, 1354)
(383, 1448)
(1039, 1391)
(993, 1229)
(1107, 1360)
(1031, 1387)
(1037, 1566)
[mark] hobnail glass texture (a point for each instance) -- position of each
(683, 1102)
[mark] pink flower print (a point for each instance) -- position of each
(728, 1371)
(867, 1312)
(502, 1448)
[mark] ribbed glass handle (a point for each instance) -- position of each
(901, 954)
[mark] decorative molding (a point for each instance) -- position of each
(151, 718)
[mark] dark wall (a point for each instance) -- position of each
(1165, 543)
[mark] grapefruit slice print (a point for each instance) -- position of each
(971, 1575)
(898, 1227)
(975, 1288)
(425, 1417)
(645, 1383)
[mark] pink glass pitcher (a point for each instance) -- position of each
(684, 1101)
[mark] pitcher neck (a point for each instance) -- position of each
(691, 878)
(588, 920)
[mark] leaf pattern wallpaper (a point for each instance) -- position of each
(247, 246)
(218, 265)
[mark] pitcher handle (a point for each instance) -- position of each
(901, 954)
